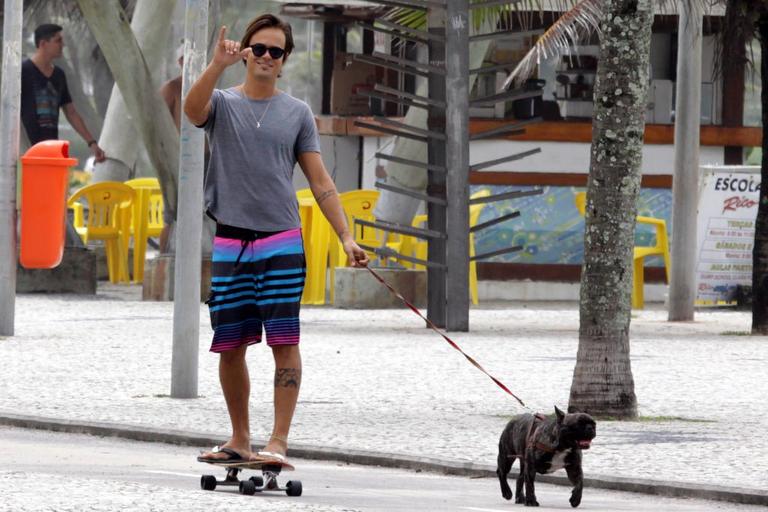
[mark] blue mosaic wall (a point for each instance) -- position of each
(550, 228)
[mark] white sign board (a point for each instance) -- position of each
(726, 231)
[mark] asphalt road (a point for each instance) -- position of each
(66, 472)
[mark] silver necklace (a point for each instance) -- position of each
(258, 123)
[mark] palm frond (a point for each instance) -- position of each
(410, 18)
(578, 22)
(573, 27)
(739, 26)
(486, 18)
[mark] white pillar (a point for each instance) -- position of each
(186, 305)
(685, 186)
(10, 103)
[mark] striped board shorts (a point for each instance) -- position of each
(257, 279)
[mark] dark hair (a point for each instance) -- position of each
(269, 21)
(45, 32)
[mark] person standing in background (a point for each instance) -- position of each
(44, 91)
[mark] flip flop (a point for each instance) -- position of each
(233, 456)
(272, 456)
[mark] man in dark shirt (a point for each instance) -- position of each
(44, 90)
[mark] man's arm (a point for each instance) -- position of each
(327, 198)
(79, 125)
(172, 96)
(197, 104)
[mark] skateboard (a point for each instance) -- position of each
(270, 470)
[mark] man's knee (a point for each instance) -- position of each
(286, 353)
(236, 355)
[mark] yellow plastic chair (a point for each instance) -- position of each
(357, 204)
(315, 231)
(142, 221)
(417, 246)
(155, 222)
(420, 246)
(306, 200)
(405, 244)
(103, 222)
(640, 252)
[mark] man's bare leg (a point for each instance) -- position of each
(236, 386)
(287, 384)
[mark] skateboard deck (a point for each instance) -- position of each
(270, 469)
(253, 464)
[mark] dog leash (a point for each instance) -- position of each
(445, 337)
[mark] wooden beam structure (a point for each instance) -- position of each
(562, 131)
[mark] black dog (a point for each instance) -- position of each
(544, 445)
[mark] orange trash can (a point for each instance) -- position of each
(44, 178)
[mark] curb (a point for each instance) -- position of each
(368, 458)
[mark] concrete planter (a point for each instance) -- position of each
(358, 289)
(159, 275)
(75, 274)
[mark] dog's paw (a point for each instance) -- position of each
(506, 494)
(531, 502)
(520, 500)
(575, 500)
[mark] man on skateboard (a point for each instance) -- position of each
(257, 134)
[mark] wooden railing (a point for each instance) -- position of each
(564, 131)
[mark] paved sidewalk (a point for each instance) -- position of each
(378, 381)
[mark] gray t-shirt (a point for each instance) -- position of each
(249, 183)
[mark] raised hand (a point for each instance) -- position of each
(228, 52)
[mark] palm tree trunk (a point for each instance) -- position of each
(760, 248)
(119, 140)
(602, 379)
(102, 82)
(150, 115)
(79, 98)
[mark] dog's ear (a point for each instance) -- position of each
(560, 415)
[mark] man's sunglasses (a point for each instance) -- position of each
(275, 52)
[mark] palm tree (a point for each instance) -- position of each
(756, 16)
(744, 20)
(602, 380)
(152, 120)
(149, 23)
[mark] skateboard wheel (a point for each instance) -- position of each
(257, 481)
(293, 488)
(247, 487)
(208, 482)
